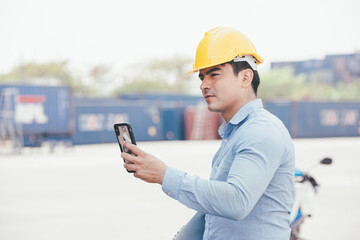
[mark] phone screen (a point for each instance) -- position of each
(124, 134)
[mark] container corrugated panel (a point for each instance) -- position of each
(95, 120)
(164, 97)
(326, 119)
(41, 110)
(201, 124)
(173, 123)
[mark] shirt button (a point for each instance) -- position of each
(225, 140)
(169, 193)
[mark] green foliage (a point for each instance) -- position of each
(283, 84)
(52, 73)
(168, 75)
(99, 81)
(349, 91)
(139, 84)
(164, 75)
(174, 67)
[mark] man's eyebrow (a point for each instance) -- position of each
(212, 70)
(209, 71)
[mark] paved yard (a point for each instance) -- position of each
(84, 193)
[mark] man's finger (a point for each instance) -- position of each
(136, 175)
(129, 158)
(130, 167)
(133, 148)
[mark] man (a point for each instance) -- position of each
(250, 191)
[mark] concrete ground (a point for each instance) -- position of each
(83, 192)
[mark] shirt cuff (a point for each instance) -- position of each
(172, 182)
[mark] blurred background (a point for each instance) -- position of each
(70, 69)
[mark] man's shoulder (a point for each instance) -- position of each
(263, 124)
(262, 117)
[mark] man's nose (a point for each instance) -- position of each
(205, 84)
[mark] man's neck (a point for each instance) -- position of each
(228, 116)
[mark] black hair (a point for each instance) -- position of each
(239, 66)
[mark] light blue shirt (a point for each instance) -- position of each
(250, 191)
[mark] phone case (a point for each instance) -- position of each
(124, 133)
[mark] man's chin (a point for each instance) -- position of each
(212, 108)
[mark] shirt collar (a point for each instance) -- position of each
(243, 112)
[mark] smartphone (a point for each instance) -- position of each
(124, 133)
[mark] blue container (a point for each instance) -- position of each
(281, 109)
(326, 119)
(95, 119)
(41, 110)
(173, 123)
(305, 119)
(180, 99)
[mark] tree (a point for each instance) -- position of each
(52, 73)
(164, 75)
(282, 84)
(168, 75)
(99, 81)
(173, 69)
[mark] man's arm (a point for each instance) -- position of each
(250, 174)
(253, 167)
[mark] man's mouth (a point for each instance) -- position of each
(208, 96)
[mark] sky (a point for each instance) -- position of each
(118, 33)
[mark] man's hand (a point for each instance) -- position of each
(146, 166)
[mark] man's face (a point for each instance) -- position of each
(221, 89)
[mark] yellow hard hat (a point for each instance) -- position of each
(221, 45)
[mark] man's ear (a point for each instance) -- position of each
(247, 77)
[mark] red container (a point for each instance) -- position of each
(201, 124)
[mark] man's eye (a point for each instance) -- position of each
(214, 74)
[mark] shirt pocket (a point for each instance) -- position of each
(222, 168)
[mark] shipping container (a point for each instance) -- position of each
(325, 119)
(201, 124)
(173, 124)
(41, 111)
(310, 119)
(165, 98)
(281, 109)
(95, 119)
(49, 113)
